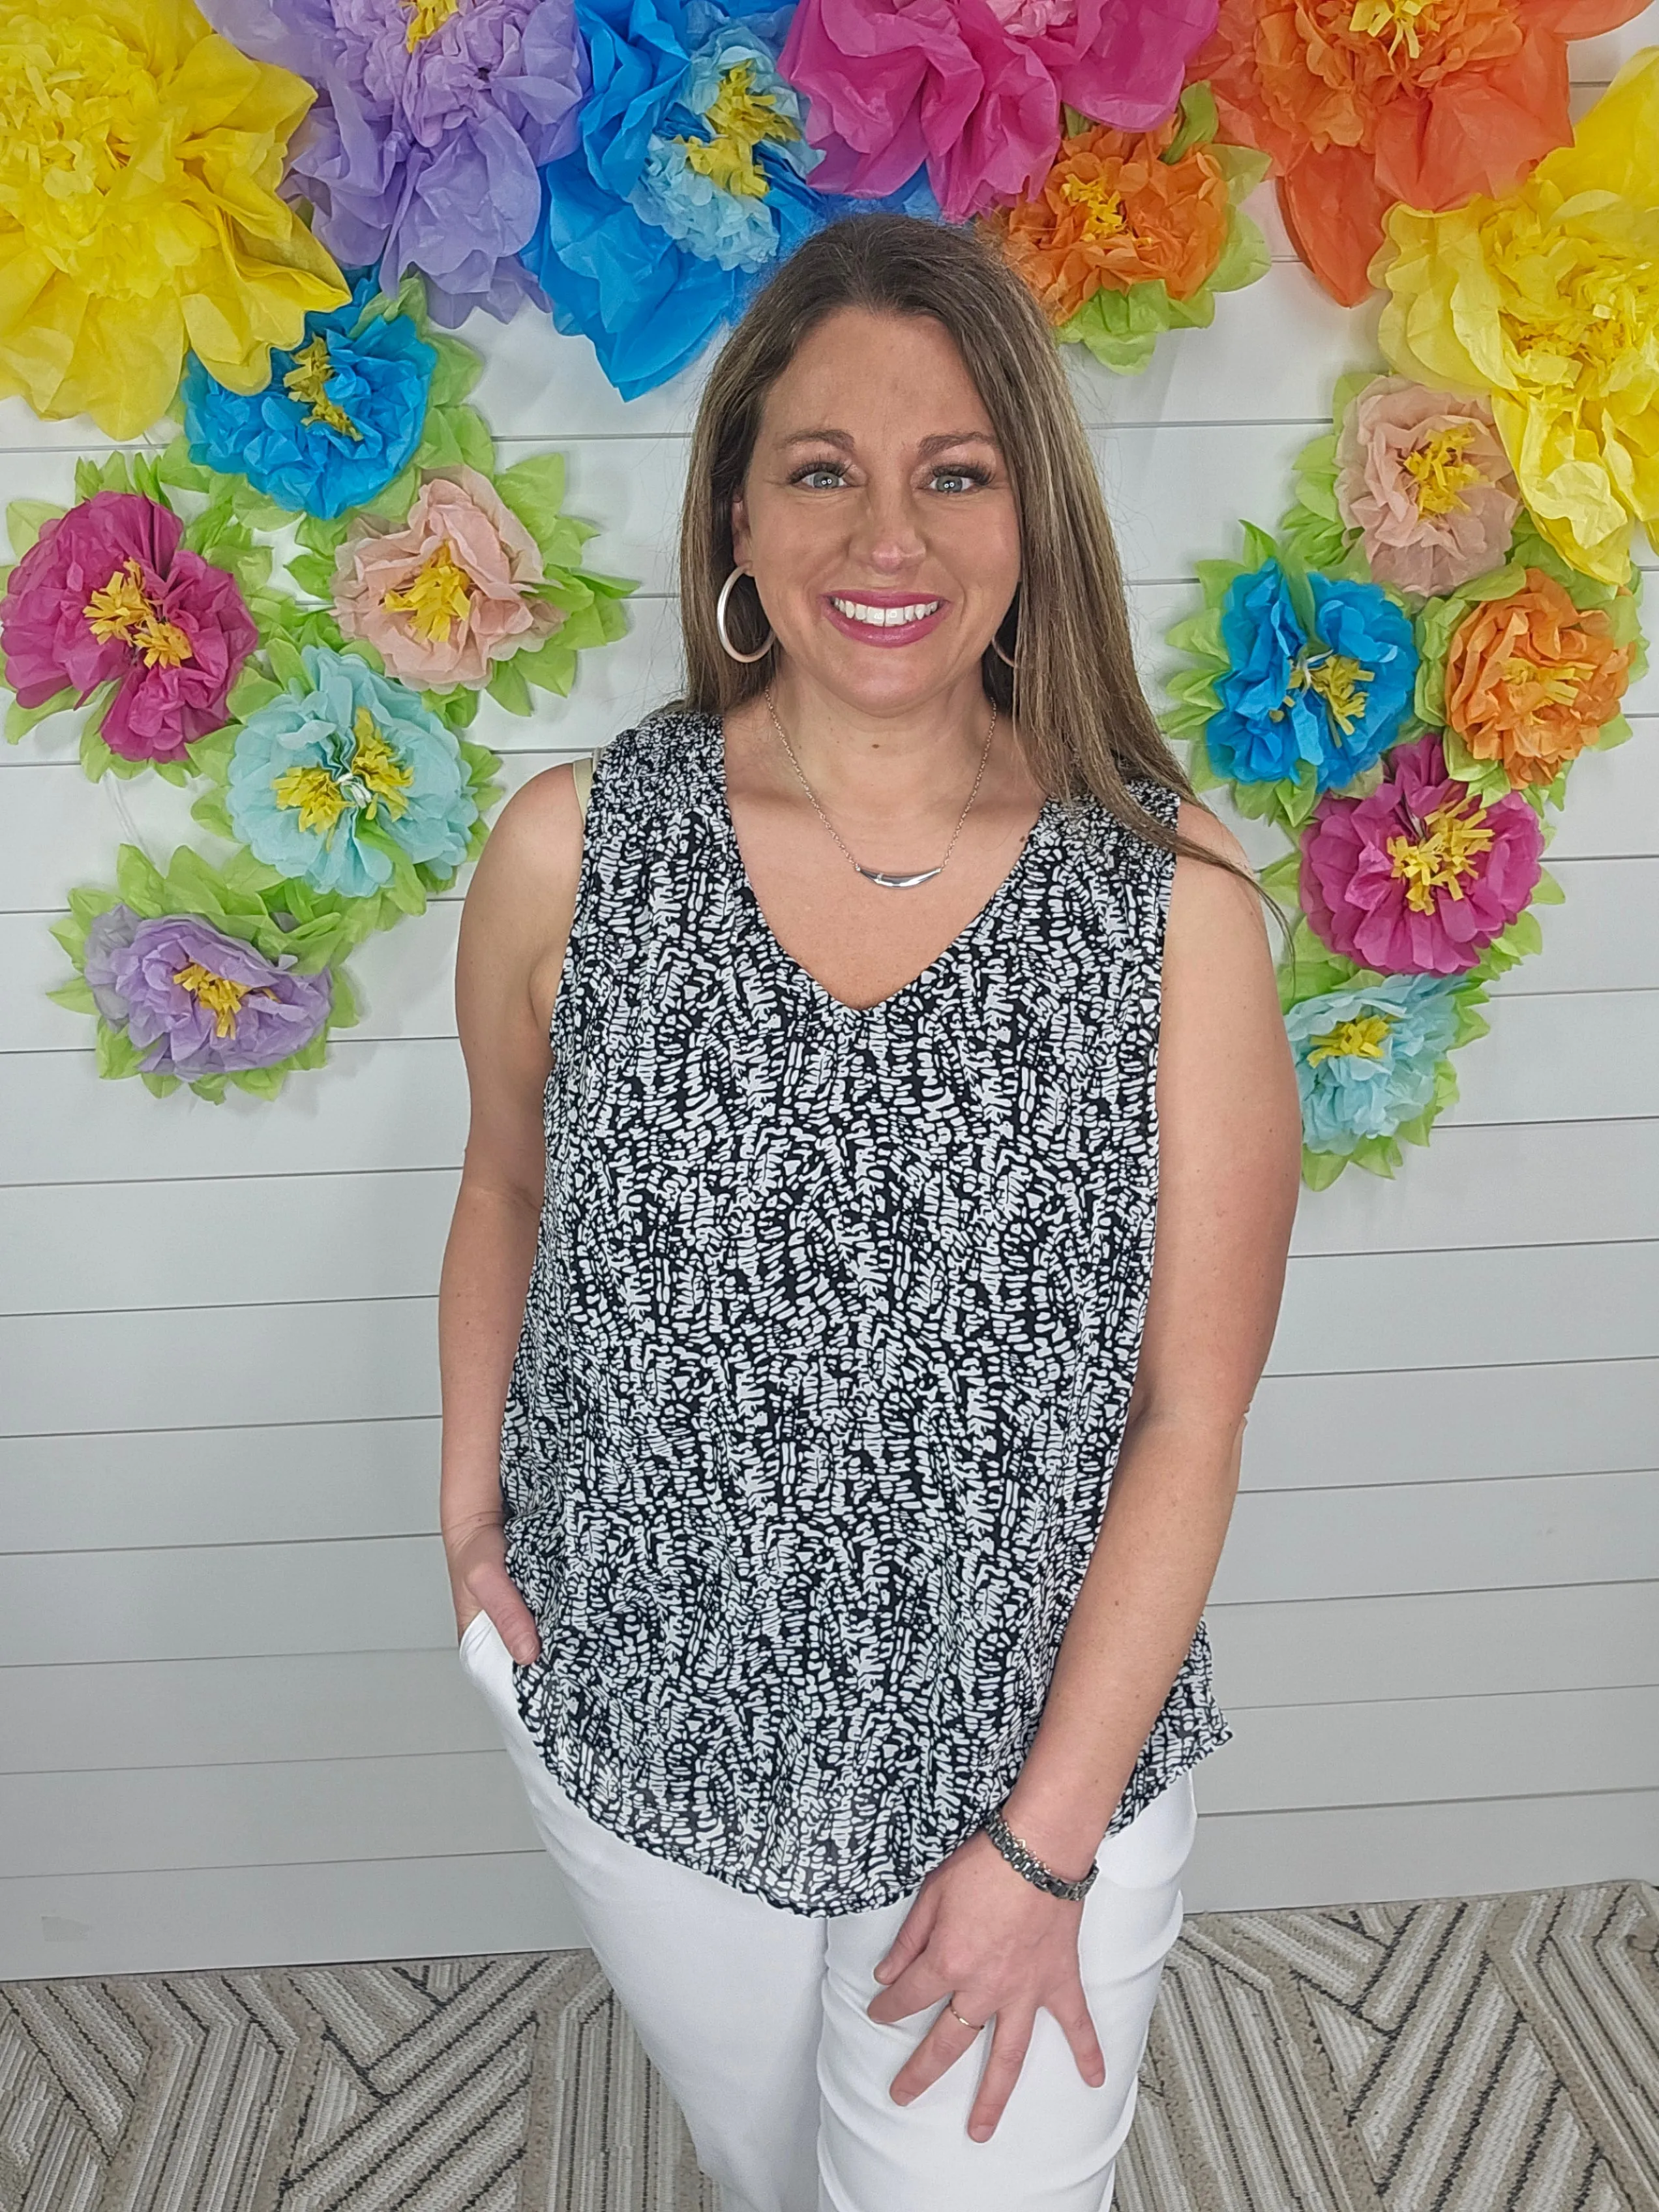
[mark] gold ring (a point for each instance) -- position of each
(978, 2028)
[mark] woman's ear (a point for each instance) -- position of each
(739, 531)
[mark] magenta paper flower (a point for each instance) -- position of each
(1420, 877)
(972, 87)
(1423, 478)
(445, 594)
(107, 594)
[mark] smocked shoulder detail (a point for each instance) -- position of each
(828, 1345)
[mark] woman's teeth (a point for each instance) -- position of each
(886, 617)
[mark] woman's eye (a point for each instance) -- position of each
(956, 480)
(820, 476)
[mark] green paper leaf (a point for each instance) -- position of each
(20, 719)
(534, 489)
(508, 688)
(286, 664)
(1198, 122)
(312, 573)
(26, 518)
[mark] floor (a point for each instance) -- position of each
(1481, 2054)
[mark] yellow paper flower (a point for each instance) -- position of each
(139, 158)
(1548, 301)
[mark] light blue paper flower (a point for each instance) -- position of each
(341, 417)
(1366, 1056)
(323, 782)
(672, 212)
(1334, 697)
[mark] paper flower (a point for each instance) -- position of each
(107, 594)
(1304, 679)
(1419, 876)
(972, 89)
(1548, 301)
(139, 214)
(1363, 102)
(341, 417)
(687, 186)
(433, 119)
(196, 1002)
(1135, 233)
(343, 775)
(445, 594)
(196, 975)
(1423, 479)
(1530, 678)
(1370, 1062)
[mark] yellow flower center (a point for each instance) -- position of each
(1363, 1038)
(426, 16)
(1396, 21)
(374, 778)
(122, 610)
(307, 384)
(740, 119)
(1446, 856)
(437, 598)
(1438, 470)
(1557, 681)
(1336, 678)
(1102, 208)
(217, 992)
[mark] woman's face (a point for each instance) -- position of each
(878, 518)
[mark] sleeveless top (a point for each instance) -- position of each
(828, 1345)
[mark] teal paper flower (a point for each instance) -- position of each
(1304, 680)
(345, 779)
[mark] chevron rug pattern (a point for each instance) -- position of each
(1485, 2054)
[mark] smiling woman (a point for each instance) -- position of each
(832, 1485)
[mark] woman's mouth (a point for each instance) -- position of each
(885, 621)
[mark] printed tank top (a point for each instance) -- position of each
(828, 1345)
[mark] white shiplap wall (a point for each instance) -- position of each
(232, 1727)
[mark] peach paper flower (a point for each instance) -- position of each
(1112, 213)
(445, 594)
(1531, 679)
(1365, 102)
(1423, 478)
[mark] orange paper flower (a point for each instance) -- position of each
(1112, 213)
(1364, 102)
(1531, 679)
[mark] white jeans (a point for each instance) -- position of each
(756, 2019)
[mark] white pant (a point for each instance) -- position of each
(755, 2017)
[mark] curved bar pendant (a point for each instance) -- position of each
(891, 883)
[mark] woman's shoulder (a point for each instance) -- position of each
(654, 751)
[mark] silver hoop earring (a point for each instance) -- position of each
(726, 645)
(1007, 658)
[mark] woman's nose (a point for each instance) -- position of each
(888, 534)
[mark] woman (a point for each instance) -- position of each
(831, 1487)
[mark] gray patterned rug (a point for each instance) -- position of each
(1486, 2054)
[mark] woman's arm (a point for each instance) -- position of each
(1230, 1155)
(514, 928)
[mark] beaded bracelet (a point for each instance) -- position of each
(1025, 1860)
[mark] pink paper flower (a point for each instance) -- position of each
(972, 87)
(107, 595)
(445, 594)
(1423, 477)
(1420, 877)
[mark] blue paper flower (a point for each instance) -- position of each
(1366, 1056)
(321, 781)
(687, 186)
(341, 417)
(1334, 697)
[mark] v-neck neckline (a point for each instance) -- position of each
(978, 923)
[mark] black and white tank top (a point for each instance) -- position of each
(829, 1344)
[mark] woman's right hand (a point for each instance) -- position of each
(479, 1582)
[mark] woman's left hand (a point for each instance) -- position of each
(982, 1935)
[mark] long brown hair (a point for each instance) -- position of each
(1074, 694)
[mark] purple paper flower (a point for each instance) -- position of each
(107, 594)
(432, 119)
(205, 1004)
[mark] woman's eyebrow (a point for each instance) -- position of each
(936, 444)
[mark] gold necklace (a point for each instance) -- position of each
(882, 876)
